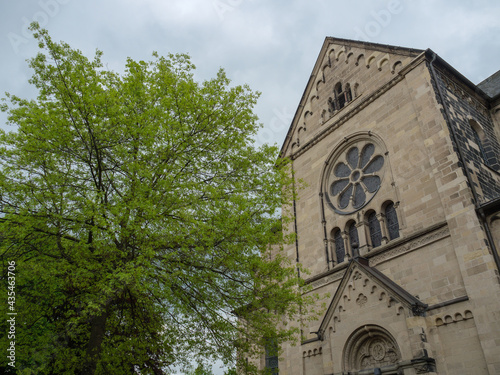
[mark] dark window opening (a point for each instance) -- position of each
(342, 96)
(479, 143)
(353, 238)
(347, 93)
(374, 228)
(392, 221)
(339, 246)
(271, 357)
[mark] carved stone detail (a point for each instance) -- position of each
(313, 352)
(361, 300)
(377, 353)
(410, 246)
(327, 280)
(370, 347)
(457, 317)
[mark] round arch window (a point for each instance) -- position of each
(354, 175)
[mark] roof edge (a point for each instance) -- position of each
(428, 53)
(417, 307)
(355, 43)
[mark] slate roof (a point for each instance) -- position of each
(491, 85)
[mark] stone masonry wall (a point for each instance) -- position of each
(464, 106)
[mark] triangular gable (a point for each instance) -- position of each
(393, 291)
(343, 50)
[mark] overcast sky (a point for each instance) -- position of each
(271, 45)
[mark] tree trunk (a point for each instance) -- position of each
(97, 330)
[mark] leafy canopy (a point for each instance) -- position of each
(139, 214)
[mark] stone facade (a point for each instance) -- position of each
(399, 219)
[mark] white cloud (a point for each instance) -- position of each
(270, 45)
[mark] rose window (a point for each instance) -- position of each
(355, 177)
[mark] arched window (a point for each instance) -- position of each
(272, 357)
(339, 96)
(374, 228)
(353, 238)
(347, 93)
(391, 219)
(479, 138)
(342, 96)
(338, 242)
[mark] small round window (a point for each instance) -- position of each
(354, 176)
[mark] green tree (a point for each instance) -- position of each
(201, 369)
(138, 212)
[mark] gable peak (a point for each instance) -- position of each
(358, 283)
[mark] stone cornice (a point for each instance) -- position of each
(386, 252)
(414, 242)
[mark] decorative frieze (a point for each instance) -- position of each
(461, 92)
(387, 252)
(411, 245)
(327, 280)
(453, 318)
(312, 352)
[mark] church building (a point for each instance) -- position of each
(398, 221)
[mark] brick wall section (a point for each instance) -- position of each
(462, 106)
(469, 242)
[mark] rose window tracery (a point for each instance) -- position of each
(355, 177)
(376, 352)
(370, 347)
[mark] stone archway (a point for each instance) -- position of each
(369, 347)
